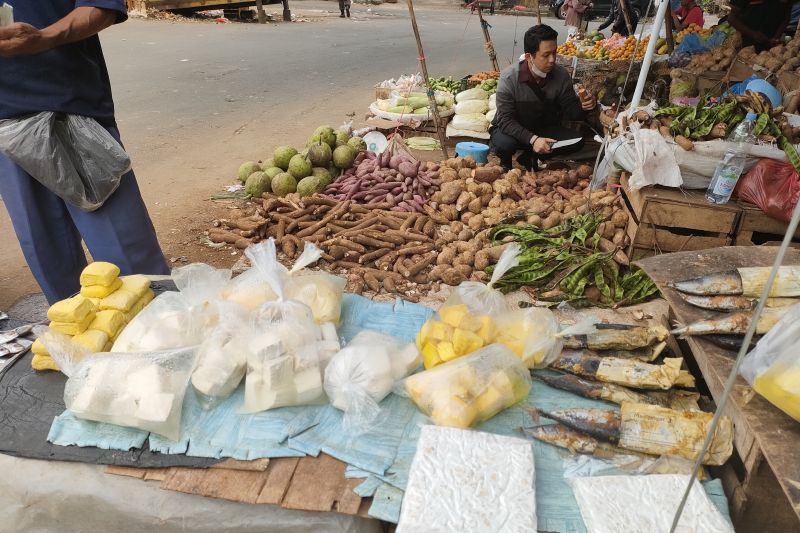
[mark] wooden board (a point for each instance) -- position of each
(761, 431)
(754, 220)
(308, 483)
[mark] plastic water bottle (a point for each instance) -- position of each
(730, 168)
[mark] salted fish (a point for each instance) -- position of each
(729, 342)
(601, 424)
(718, 283)
(617, 337)
(574, 441)
(627, 372)
(733, 303)
(746, 281)
(735, 323)
(648, 354)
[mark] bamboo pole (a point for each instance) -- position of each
(437, 120)
(623, 5)
(669, 25)
(262, 17)
(539, 12)
(487, 39)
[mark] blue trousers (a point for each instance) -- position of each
(50, 231)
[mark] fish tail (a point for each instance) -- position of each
(679, 328)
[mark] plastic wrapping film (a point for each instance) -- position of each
(46, 496)
(645, 504)
(469, 481)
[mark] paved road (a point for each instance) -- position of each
(195, 98)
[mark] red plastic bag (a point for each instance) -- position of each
(772, 185)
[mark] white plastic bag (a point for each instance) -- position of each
(251, 289)
(221, 360)
(472, 122)
(484, 299)
(364, 372)
(140, 390)
(283, 354)
(655, 160)
(491, 114)
(320, 291)
(532, 334)
(468, 107)
(475, 93)
(772, 368)
(493, 102)
(178, 319)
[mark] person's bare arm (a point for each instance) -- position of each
(20, 39)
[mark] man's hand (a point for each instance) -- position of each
(20, 39)
(542, 145)
(588, 101)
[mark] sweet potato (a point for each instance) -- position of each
(487, 174)
(552, 220)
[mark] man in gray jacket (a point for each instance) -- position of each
(534, 97)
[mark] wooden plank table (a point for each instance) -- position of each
(766, 439)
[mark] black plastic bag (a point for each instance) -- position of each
(73, 156)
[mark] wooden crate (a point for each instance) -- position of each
(666, 220)
(755, 227)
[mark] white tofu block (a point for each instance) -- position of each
(329, 332)
(277, 373)
(121, 406)
(155, 407)
(147, 380)
(405, 361)
(308, 384)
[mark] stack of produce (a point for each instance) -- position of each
(327, 153)
(448, 85)
(96, 316)
(710, 44)
(781, 58)
(414, 104)
(716, 59)
(485, 76)
(704, 33)
(399, 181)
(471, 108)
(614, 48)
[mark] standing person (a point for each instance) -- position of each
(616, 18)
(533, 98)
(51, 60)
(574, 18)
(761, 22)
(687, 14)
(344, 8)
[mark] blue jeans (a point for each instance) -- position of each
(50, 231)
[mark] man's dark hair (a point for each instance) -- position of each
(537, 34)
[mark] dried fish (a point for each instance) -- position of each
(627, 372)
(720, 283)
(647, 354)
(599, 423)
(617, 337)
(733, 303)
(730, 342)
(574, 441)
(736, 323)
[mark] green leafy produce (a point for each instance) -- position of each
(565, 262)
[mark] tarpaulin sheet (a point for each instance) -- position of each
(43, 496)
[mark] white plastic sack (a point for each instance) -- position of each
(491, 114)
(472, 122)
(320, 291)
(221, 361)
(470, 107)
(655, 160)
(493, 102)
(698, 165)
(364, 372)
(451, 132)
(475, 93)
(73, 156)
(178, 319)
(140, 390)
(483, 298)
(462, 480)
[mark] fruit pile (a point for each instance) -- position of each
(693, 28)
(614, 48)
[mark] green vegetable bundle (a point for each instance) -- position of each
(565, 264)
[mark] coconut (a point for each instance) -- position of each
(300, 166)
(269, 163)
(282, 156)
(342, 137)
(323, 174)
(357, 143)
(320, 154)
(309, 185)
(324, 134)
(343, 156)
(272, 172)
(283, 184)
(257, 184)
(247, 168)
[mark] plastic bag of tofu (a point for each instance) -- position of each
(364, 372)
(178, 319)
(470, 389)
(286, 350)
(143, 390)
(467, 321)
(221, 359)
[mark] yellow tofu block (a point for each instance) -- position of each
(454, 314)
(73, 328)
(70, 310)
(100, 291)
(142, 302)
(491, 402)
(470, 323)
(109, 321)
(99, 273)
(512, 341)
(43, 362)
(454, 413)
(92, 339)
(465, 342)
(446, 351)
(137, 284)
(121, 300)
(108, 346)
(38, 348)
(95, 302)
(430, 355)
(488, 329)
(439, 330)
